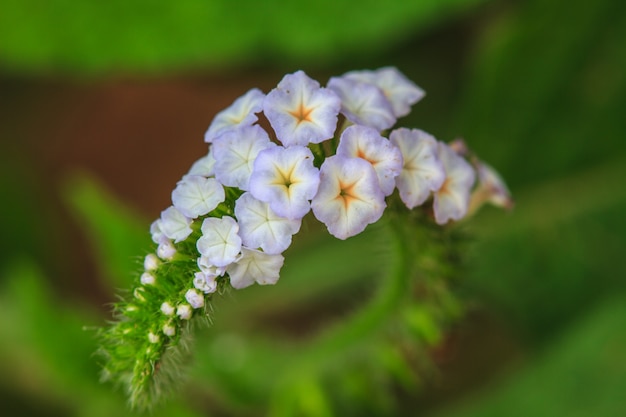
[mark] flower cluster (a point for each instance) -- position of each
(301, 148)
(248, 195)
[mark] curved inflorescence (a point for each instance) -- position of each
(272, 159)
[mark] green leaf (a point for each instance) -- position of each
(581, 375)
(94, 36)
(119, 236)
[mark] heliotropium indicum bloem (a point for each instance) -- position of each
(326, 155)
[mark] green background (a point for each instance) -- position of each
(103, 106)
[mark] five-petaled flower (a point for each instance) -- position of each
(349, 197)
(286, 179)
(300, 111)
(422, 171)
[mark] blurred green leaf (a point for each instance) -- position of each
(94, 36)
(46, 351)
(547, 94)
(556, 253)
(119, 236)
(582, 374)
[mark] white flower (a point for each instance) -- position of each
(366, 143)
(491, 188)
(363, 103)
(255, 266)
(147, 278)
(153, 338)
(205, 282)
(196, 196)
(399, 90)
(169, 330)
(286, 179)
(301, 112)
(175, 225)
(452, 199)
(235, 152)
(167, 309)
(219, 242)
(194, 298)
(151, 262)
(240, 113)
(166, 250)
(184, 311)
(422, 171)
(349, 197)
(260, 227)
(204, 166)
(209, 269)
(156, 233)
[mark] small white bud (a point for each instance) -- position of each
(151, 262)
(153, 338)
(194, 298)
(138, 294)
(169, 330)
(147, 278)
(167, 309)
(184, 311)
(166, 250)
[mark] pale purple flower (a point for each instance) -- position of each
(166, 250)
(235, 152)
(194, 298)
(196, 196)
(261, 227)
(349, 197)
(174, 224)
(363, 103)
(366, 143)
(401, 92)
(204, 166)
(452, 199)
(422, 172)
(151, 262)
(169, 329)
(209, 269)
(156, 233)
(491, 188)
(147, 278)
(300, 111)
(167, 309)
(219, 242)
(205, 283)
(184, 311)
(255, 266)
(286, 179)
(240, 113)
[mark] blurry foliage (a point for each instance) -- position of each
(156, 36)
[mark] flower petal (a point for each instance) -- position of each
(240, 113)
